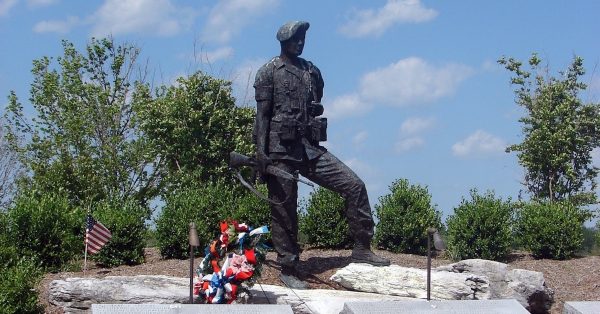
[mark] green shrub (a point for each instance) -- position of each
(404, 216)
(46, 228)
(17, 283)
(589, 240)
(252, 210)
(550, 230)
(205, 206)
(150, 238)
(598, 235)
(322, 222)
(126, 222)
(8, 252)
(480, 228)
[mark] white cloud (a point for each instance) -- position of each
(409, 81)
(360, 138)
(412, 81)
(407, 144)
(416, 125)
(410, 134)
(479, 143)
(61, 27)
(490, 66)
(228, 17)
(217, 54)
(41, 3)
(6, 5)
(369, 22)
(346, 106)
(147, 16)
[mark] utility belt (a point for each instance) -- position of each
(291, 130)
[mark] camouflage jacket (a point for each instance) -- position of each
(289, 90)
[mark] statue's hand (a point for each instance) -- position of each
(263, 162)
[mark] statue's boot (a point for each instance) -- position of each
(291, 278)
(363, 254)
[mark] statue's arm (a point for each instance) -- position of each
(263, 90)
(263, 117)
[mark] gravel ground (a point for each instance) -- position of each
(577, 279)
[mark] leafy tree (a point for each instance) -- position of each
(85, 139)
(560, 131)
(193, 126)
(10, 169)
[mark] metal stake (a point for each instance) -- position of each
(193, 241)
(439, 245)
(429, 233)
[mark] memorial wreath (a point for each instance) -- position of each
(232, 263)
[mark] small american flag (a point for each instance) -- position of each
(96, 235)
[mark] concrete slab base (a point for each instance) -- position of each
(191, 308)
(581, 307)
(510, 306)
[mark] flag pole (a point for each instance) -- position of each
(85, 253)
(86, 241)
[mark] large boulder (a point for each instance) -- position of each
(412, 282)
(76, 295)
(474, 279)
(526, 286)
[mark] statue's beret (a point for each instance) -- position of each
(289, 29)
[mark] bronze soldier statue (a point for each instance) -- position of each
(288, 129)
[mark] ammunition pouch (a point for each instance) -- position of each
(292, 130)
(318, 129)
(289, 130)
(315, 109)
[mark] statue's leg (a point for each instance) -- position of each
(284, 226)
(331, 173)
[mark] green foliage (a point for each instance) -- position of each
(550, 229)
(560, 132)
(151, 238)
(126, 222)
(193, 126)
(598, 235)
(206, 206)
(404, 216)
(250, 209)
(322, 222)
(480, 228)
(10, 169)
(588, 246)
(17, 283)
(45, 228)
(85, 139)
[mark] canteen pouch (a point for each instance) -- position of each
(288, 130)
(318, 128)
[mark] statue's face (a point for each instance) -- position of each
(295, 44)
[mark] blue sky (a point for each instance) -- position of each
(412, 88)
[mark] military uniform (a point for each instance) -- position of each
(292, 94)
